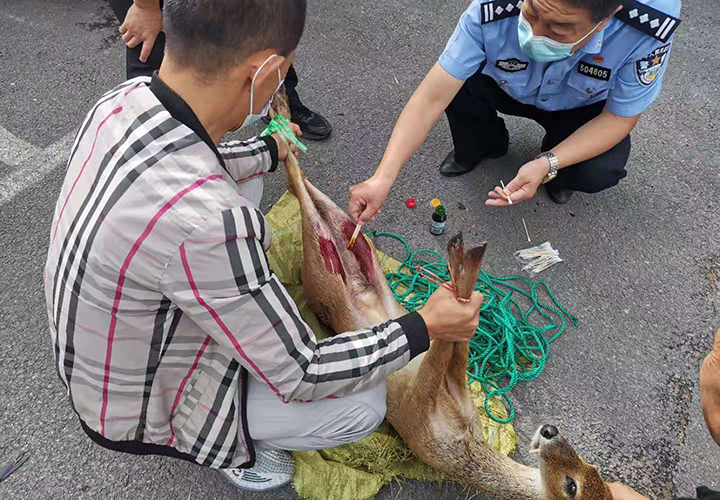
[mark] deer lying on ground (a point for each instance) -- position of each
(429, 402)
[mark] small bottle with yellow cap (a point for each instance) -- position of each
(437, 226)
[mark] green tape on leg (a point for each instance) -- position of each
(279, 125)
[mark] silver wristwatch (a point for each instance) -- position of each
(554, 165)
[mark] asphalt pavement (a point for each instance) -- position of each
(641, 262)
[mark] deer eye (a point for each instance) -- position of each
(570, 487)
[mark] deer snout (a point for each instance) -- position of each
(543, 436)
(548, 431)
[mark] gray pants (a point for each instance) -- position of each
(318, 425)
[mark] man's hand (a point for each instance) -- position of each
(367, 197)
(523, 186)
(449, 319)
(282, 150)
(142, 25)
(622, 492)
(710, 389)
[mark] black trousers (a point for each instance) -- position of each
(477, 130)
(135, 67)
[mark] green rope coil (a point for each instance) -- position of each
(507, 347)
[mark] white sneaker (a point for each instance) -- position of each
(272, 469)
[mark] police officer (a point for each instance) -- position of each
(583, 69)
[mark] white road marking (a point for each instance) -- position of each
(13, 150)
(32, 163)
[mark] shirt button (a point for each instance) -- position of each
(544, 99)
(503, 82)
(589, 91)
(551, 82)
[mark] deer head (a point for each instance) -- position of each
(563, 474)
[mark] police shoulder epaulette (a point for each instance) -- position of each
(499, 9)
(648, 20)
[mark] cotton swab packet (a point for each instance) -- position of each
(538, 258)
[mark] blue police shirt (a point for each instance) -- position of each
(623, 64)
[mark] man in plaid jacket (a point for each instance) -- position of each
(172, 336)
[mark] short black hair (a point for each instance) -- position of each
(598, 9)
(211, 36)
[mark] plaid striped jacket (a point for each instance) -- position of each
(159, 295)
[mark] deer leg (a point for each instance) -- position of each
(457, 367)
(464, 270)
(280, 104)
(434, 370)
(343, 227)
(457, 378)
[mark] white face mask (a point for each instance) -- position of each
(252, 118)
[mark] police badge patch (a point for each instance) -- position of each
(511, 65)
(648, 68)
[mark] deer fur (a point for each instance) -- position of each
(428, 403)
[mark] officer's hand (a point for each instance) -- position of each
(710, 389)
(142, 25)
(367, 197)
(523, 186)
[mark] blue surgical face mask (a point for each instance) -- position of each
(252, 118)
(541, 48)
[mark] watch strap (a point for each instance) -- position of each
(554, 165)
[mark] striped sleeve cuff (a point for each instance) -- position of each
(273, 149)
(416, 332)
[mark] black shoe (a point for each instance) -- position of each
(314, 126)
(558, 195)
(450, 167)
(704, 492)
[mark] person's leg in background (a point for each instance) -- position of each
(593, 175)
(314, 126)
(477, 130)
(276, 428)
(134, 66)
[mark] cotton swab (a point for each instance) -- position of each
(526, 232)
(354, 235)
(507, 196)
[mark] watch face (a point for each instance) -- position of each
(550, 176)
